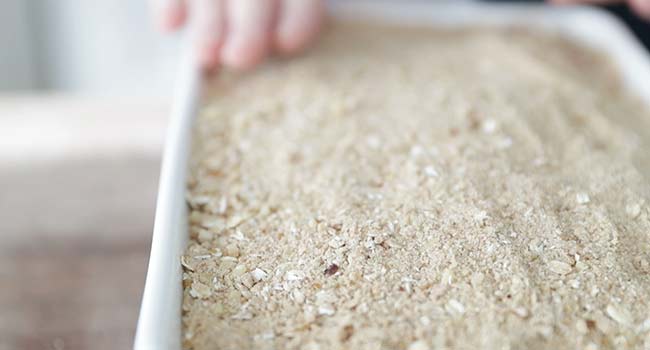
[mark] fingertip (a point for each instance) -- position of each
(249, 24)
(244, 54)
(208, 56)
(300, 21)
(207, 32)
(289, 43)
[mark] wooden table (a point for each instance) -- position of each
(78, 179)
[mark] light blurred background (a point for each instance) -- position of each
(90, 47)
(84, 94)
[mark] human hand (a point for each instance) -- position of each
(241, 33)
(641, 7)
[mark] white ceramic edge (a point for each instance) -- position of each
(159, 325)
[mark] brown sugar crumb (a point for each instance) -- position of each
(346, 333)
(591, 324)
(332, 269)
(420, 189)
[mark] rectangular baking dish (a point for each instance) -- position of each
(159, 325)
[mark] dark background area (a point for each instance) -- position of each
(640, 27)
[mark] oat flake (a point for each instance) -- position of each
(559, 267)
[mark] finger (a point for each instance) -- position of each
(169, 14)
(299, 22)
(208, 31)
(641, 7)
(249, 25)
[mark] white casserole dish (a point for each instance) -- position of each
(159, 326)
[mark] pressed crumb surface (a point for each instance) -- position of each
(418, 189)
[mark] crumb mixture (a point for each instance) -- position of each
(418, 189)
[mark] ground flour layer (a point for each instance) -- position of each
(415, 189)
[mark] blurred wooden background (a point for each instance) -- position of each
(78, 180)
